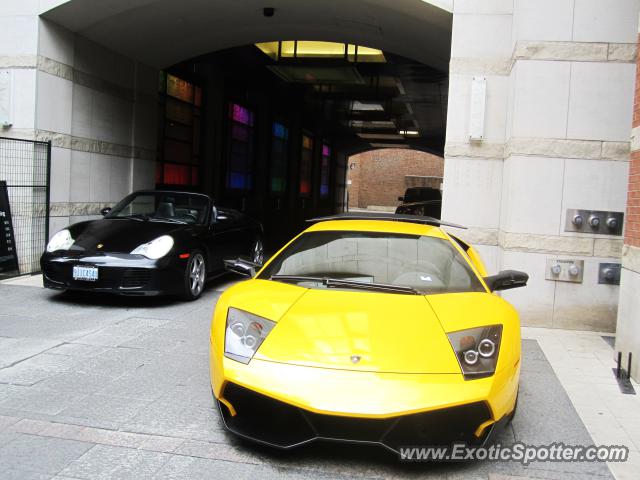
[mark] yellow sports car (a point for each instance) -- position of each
(367, 328)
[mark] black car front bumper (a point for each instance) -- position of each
(123, 274)
(278, 424)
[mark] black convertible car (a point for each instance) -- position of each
(151, 243)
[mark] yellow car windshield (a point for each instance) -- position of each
(420, 263)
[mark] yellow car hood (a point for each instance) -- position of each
(360, 331)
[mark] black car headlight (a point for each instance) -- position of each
(60, 241)
(155, 249)
(244, 334)
(477, 350)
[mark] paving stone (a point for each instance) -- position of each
(137, 386)
(110, 463)
(41, 454)
(86, 422)
(25, 375)
(104, 407)
(14, 350)
(7, 436)
(74, 382)
(111, 437)
(168, 418)
(62, 430)
(48, 361)
(8, 473)
(158, 443)
(217, 451)
(33, 323)
(30, 426)
(7, 421)
(179, 467)
(77, 350)
(34, 399)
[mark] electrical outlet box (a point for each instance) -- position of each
(609, 273)
(594, 221)
(564, 270)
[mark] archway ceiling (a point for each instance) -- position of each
(161, 33)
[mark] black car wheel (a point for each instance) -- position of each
(257, 251)
(195, 276)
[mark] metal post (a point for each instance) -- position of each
(48, 189)
(618, 364)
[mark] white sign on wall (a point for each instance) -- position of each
(5, 98)
(477, 108)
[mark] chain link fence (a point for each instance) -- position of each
(25, 169)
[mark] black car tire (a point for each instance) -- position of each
(195, 275)
(256, 254)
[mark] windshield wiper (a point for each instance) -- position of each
(137, 216)
(336, 282)
(165, 219)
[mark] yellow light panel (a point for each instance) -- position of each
(314, 49)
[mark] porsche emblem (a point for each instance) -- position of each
(355, 358)
(99, 246)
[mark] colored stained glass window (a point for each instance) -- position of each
(180, 136)
(179, 112)
(181, 89)
(240, 149)
(306, 166)
(324, 170)
(177, 152)
(241, 114)
(280, 131)
(279, 158)
(177, 174)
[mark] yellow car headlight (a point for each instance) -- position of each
(477, 350)
(244, 334)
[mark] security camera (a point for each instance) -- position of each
(268, 11)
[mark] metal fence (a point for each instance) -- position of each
(25, 167)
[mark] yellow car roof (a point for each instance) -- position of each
(385, 226)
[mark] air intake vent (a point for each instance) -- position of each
(135, 278)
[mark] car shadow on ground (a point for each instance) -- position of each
(100, 299)
(372, 459)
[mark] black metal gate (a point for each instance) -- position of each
(24, 183)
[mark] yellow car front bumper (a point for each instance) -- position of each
(287, 405)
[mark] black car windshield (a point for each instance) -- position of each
(422, 194)
(164, 207)
(421, 263)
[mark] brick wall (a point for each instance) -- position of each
(632, 230)
(378, 177)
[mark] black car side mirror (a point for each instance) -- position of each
(401, 199)
(214, 215)
(105, 211)
(506, 280)
(243, 267)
